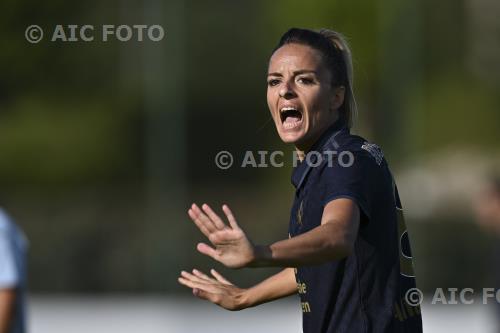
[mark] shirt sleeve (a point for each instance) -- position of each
(9, 276)
(355, 180)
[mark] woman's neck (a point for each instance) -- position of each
(302, 149)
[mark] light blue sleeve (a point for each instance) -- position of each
(9, 275)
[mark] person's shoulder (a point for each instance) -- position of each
(7, 225)
(4, 220)
(344, 141)
(11, 232)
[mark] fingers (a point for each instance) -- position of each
(207, 295)
(188, 283)
(208, 221)
(218, 291)
(219, 277)
(203, 219)
(202, 275)
(230, 217)
(207, 250)
(198, 222)
(213, 217)
(206, 224)
(192, 277)
(201, 294)
(192, 281)
(201, 288)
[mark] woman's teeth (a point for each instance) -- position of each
(290, 117)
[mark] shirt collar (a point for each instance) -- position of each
(300, 171)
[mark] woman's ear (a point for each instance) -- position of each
(337, 99)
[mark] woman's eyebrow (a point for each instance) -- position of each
(305, 71)
(298, 72)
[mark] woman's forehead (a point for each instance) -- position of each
(295, 56)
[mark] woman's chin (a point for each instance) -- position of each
(292, 137)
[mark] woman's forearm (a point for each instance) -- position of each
(321, 244)
(332, 240)
(277, 286)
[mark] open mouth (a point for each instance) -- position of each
(291, 117)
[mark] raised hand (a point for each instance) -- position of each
(231, 246)
(215, 289)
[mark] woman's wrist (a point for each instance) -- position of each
(262, 256)
(245, 299)
(251, 297)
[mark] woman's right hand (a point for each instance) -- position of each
(230, 244)
(216, 289)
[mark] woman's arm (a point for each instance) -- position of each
(220, 291)
(7, 302)
(333, 239)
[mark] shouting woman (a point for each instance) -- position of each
(348, 255)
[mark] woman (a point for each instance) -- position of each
(344, 256)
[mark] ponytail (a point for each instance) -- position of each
(349, 108)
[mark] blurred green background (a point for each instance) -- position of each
(104, 145)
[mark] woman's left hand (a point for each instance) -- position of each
(215, 289)
(231, 246)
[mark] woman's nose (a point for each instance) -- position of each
(286, 91)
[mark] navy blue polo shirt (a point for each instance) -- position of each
(364, 292)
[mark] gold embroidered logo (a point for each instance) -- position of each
(300, 212)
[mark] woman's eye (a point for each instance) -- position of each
(305, 80)
(273, 82)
